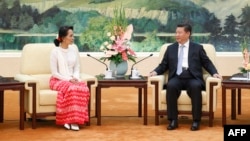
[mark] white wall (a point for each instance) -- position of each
(227, 63)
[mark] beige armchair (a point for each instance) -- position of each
(40, 100)
(209, 95)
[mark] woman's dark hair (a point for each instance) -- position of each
(63, 31)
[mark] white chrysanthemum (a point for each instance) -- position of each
(109, 46)
(102, 48)
(106, 43)
(112, 38)
(109, 34)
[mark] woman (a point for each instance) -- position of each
(73, 94)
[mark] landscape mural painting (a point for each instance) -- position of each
(223, 23)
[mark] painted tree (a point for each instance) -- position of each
(245, 22)
(231, 33)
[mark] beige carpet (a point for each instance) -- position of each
(119, 122)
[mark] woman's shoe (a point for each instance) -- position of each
(67, 126)
(75, 127)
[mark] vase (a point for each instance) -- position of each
(248, 75)
(244, 74)
(119, 70)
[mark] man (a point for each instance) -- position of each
(190, 57)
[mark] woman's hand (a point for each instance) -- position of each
(73, 80)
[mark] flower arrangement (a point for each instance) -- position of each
(118, 46)
(245, 64)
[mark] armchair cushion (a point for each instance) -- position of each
(48, 97)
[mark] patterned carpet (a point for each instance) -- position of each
(119, 122)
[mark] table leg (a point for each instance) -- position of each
(239, 101)
(95, 103)
(1, 106)
(233, 104)
(89, 83)
(33, 115)
(21, 108)
(223, 106)
(156, 103)
(145, 105)
(139, 102)
(98, 105)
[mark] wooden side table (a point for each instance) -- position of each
(123, 82)
(235, 86)
(8, 83)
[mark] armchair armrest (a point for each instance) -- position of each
(91, 80)
(25, 78)
(160, 79)
(212, 85)
(92, 84)
(87, 77)
(211, 79)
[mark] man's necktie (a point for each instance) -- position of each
(180, 59)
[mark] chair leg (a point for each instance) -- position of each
(156, 119)
(89, 109)
(210, 119)
(24, 116)
(33, 120)
(88, 123)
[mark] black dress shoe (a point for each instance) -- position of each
(172, 125)
(195, 126)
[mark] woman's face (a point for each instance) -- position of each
(69, 39)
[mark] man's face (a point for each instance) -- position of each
(181, 35)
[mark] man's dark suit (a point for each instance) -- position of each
(197, 59)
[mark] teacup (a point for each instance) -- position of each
(135, 73)
(108, 74)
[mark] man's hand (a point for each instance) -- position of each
(152, 73)
(216, 75)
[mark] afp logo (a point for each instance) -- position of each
(241, 132)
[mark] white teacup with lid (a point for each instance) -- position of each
(135, 73)
(108, 73)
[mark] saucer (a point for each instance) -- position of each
(135, 77)
(108, 77)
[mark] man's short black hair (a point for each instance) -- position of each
(187, 27)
